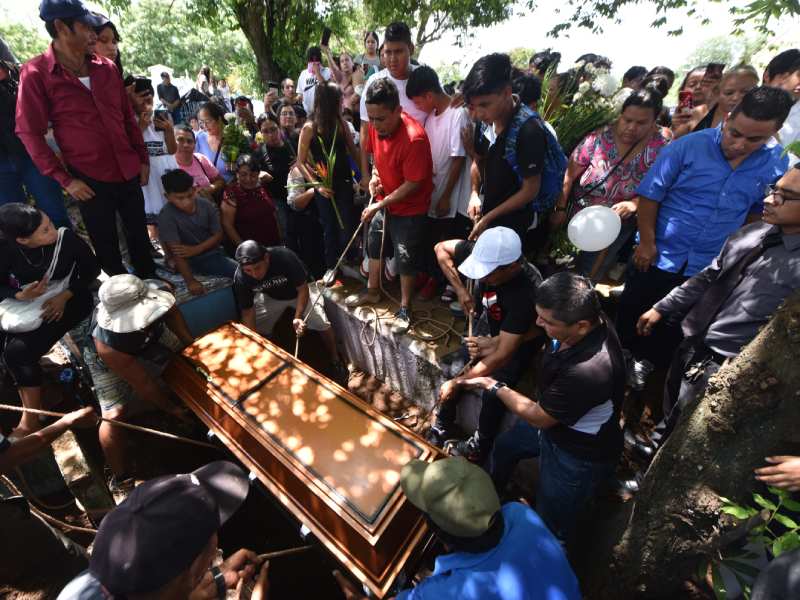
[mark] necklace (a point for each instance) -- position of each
(27, 260)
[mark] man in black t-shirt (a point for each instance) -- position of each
(506, 291)
(283, 279)
(573, 424)
(169, 95)
(507, 193)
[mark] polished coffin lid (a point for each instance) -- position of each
(330, 458)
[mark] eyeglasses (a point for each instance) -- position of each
(205, 121)
(779, 196)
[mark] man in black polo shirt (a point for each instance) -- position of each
(506, 290)
(169, 95)
(283, 279)
(510, 183)
(573, 424)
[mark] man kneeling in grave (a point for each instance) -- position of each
(505, 288)
(282, 278)
(137, 328)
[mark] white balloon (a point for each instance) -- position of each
(594, 228)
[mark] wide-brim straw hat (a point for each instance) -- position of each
(129, 304)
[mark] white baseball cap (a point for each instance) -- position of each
(496, 247)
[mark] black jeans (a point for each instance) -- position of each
(642, 291)
(99, 216)
(492, 408)
(405, 237)
(22, 351)
(335, 234)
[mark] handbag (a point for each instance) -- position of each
(22, 316)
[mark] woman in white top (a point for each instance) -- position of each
(159, 139)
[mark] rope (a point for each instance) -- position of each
(164, 434)
(286, 552)
(43, 515)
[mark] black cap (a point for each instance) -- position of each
(50, 10)
(249, 252)
(163, 526)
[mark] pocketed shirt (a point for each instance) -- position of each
(702, 199)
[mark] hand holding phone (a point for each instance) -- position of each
(326, 37)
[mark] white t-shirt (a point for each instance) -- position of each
(307, 85)
(444, 134)
(160, 162)
(790, 132)
(405, 102)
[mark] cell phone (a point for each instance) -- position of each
(714, 71)
(161, 114)
(685, 100)
(326, 37)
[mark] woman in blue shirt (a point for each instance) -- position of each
(209, 141)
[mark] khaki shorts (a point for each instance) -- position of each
(268, 311)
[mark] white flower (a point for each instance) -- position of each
(247, 134)
(230, 117)
(577, 97)
(579, 65)
(605, 85)
(584, 87)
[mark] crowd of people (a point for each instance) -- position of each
(459, 188)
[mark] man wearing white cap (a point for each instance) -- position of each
(136, 329)
(494, 552)
(506, 291)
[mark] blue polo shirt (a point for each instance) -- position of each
(702, 199)
(527, 564)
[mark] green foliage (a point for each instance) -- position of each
(25, 42)
(235, 141)
(433, 18)
(775, 542)
(592, 14)
(163, 32)
(449, 72)
(520, 57)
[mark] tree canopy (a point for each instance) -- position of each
(24, 42)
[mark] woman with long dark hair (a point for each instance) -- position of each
(27, 247)
(370, 59)
(334, 204)
(209, 141)
(108, 40)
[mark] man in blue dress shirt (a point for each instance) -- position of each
(701, 189)
(494, 552)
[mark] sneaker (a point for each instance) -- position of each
(438, 436)
(470, 448)
(121, 487)
(368, 296)
(402, 321)
(390, 269)
(448, 295)
(428, 291)
(457, 309)
(638, 372)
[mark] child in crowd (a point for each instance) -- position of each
(159, 139)
(190, 230)
(451, 185)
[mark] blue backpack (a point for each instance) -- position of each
(555, 161)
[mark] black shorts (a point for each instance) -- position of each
(407, 236)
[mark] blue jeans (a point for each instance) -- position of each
(567, 483)
(213, 263)
(18, 172)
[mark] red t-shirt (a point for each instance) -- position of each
(404, 156)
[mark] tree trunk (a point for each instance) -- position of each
(251, 17)
(750, 410)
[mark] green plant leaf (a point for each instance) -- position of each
(782, 494)
(785, 521)
(787, 542)
(717, 583)
(792, 505)
(763, 502)
(740, 512)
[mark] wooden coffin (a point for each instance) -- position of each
(331, 459)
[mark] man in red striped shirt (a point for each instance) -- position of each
(103, 160)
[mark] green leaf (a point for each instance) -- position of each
(717, 583)
(763, 502)
(782, 494)
(792, 505)
(785, 521)
(740, 512)
(787, 542)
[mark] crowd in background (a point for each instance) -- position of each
(453, 182)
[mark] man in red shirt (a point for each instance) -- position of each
(104, 161)
(401, 186)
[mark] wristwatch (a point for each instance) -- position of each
(496, 388)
